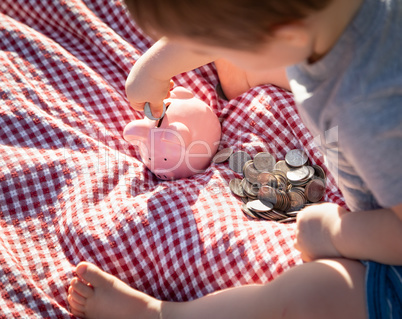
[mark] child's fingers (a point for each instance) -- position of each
(154, 112)
(155, 108)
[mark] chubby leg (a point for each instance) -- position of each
(320, 289)
(235, 81)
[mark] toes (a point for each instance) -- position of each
(77, 297)
(81, 288)
(75, 307)
(92, 274)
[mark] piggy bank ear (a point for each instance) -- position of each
(180, 92)
(136, 131)
(177, 133)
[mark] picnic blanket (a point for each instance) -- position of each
(72, 189)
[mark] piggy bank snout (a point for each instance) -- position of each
(166, 176)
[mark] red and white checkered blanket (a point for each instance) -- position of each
(72, 189)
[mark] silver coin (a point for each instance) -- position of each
(264, 162)
(237, 161)
(148, 113)
(282, 166)
(273, 215)
(248, 212)
(279, 214)
(267, 193)
(247, 163)
(222, 156)
(287, 220)
(297, 174)
(300, 183)
(292, 214)
(250, 172)
(311, 172)
(279, 173)
(259, 206)
(296, 158)
(245, 200)
(266, 215)
(319, 171)
(251, 190)
(236, 188)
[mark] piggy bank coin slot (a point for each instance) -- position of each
(159, 122)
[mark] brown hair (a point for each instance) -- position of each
(240, 24)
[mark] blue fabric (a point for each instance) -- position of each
(383, 291)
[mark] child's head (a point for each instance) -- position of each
(238, 24)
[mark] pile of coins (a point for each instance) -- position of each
(271, 189)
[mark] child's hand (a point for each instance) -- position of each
(142, 88)
(317, 225)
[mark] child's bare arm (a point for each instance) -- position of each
(327, 230)
(149, 79)
(372, 235)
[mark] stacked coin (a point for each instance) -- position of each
(274, 190)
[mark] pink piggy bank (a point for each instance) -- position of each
(183, 142)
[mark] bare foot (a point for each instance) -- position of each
(97, 294)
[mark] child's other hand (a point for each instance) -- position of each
(317, 225)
